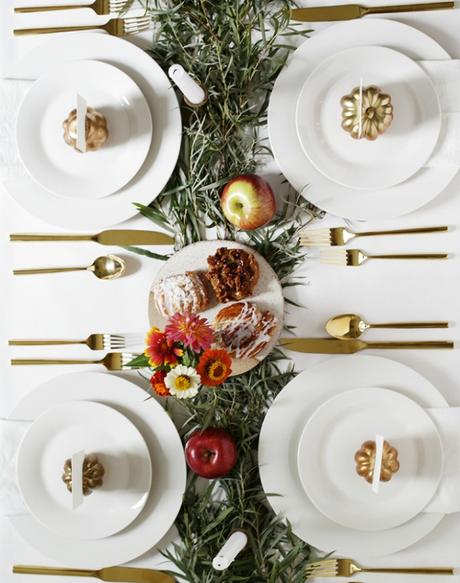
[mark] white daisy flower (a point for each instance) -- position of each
(183, 381)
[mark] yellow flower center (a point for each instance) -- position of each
(217, 370)
(183, 382)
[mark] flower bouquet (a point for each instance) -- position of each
(182, 359)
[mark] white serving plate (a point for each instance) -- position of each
(279, 440)
(94, 214)
(268, 294)
(334, 433)
(395, 155)
(168, 463)
(57, 166)
(378, 204)
(54, 437)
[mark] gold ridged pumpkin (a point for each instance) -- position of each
(365, 461)
(93, 472)
(376, 111)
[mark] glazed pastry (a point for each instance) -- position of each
(181, 293)
(96, 130)
(233, 273)
(365, 461)
(244, 330)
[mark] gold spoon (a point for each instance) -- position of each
(104, 267)
(352, 325)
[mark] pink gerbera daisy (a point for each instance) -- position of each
(193, 331)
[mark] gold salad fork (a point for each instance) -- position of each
(346, 568)
(340, 235)
(115, 27)
(100, 7)
(112, 360)
(355, 257)
(93, 342)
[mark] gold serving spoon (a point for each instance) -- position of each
(104, 267)
(353, 326)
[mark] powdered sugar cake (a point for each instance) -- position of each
(267, 293)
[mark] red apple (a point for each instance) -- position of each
(247, 202)
(211, 453)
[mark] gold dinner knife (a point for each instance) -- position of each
(335, 346)
(127, 574)
(352, 11)
(122, 237)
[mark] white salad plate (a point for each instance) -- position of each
(279, 441)
(57, 166)
(395, 155)
(358, 204)
(54, 437)
(334, 433)
(86, 214)
(167, 458)
(267, 295)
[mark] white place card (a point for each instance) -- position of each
(81, 123)
(378, 463)
(77, 478)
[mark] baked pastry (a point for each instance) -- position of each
(243, 329)
(365, 461)
(96, 130)
(233, 273)
(180, 293)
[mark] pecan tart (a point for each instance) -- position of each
(233, 273)
(243, 329)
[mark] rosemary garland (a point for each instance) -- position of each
(236, 49)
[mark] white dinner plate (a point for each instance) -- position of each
(335, 432)
(167, 458)
(395, 155)
(96, 429)
(279, 440)
(378, 204)
(268, 294)
(57, 166)
(93, 214)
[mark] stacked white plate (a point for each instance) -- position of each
(96, 189)
(308, 468)
(359, 179)
(142, 454)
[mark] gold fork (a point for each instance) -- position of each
(115, 27)
(93, 342)
(346, 568)
(340, 235)
(112, 360)
(100, 7)
(355, 257)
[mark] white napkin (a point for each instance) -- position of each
(11, 434)
(447, 498)
(11, 94)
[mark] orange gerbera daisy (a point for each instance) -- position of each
(159, 349)
(214, 367)
(157, 381)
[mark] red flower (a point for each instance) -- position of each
(157, 381)
(214, 367)
(160, 350)
(193, 331)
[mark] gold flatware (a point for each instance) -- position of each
(128, 574)
(346, 568)
(115, 27)
(352, 326)
(98, 6)
(336, 236)
(352, 11)
(93, 342)
(356, 257)
(121, 237)
(105, 267)
(335, 346)
(111, 361)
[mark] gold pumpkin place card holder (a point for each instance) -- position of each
(367, 112)
(365, 459)
(93, 474)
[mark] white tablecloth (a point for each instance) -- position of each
(74, 305)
